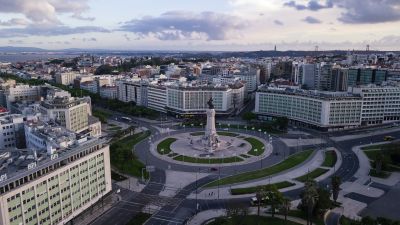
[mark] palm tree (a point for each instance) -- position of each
(285, 207)
(309, 198)
(274, 198)
(260, 195)
(335, 182)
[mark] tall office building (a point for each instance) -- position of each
(38, 188)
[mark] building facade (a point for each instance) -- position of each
(322, 110)
(57, 189)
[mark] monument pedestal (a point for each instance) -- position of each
(210, 139)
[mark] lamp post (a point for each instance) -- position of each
(162, 151)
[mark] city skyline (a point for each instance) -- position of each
(206, 25)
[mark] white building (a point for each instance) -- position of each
(66, 78)
(133, 91)
(157, 97)
(37, 188)
(381, 104)
(323, 110)
(192, 99)
(11, 130)
(90, 86)
(22, 93)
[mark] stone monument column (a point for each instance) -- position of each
(210, 139)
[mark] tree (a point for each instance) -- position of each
(323, 203)
(281, 123)
(336, 181)
(285, 207)
(260, 196)
(379, 159)
(273, 198)
(248, 116)
(309, 198)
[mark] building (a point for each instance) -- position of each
(11, 130)
(365, 76)
(109, 92)
(339, 79)
(309, 74)
(193, 99)
(22, 93)
(133, 91)
(66, 78)
(381, 104)
(157, 97)
(90, 86)
(69, 112)
(38, 188)
(320, 110)
(251, 77)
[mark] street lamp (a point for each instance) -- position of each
(162, 151)
(183, 155)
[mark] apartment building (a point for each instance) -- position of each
(66, 78)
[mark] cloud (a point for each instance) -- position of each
(59, 42)
(127, 37)
(15, 42)
(89, 39)
(278, 22)
(311, 20)
(14, 22)
(354, 12)
(370, 11)
(312, 5)
(33, 30)
(179, 25)
(44, 11)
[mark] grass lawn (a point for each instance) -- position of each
(117, 177)
(312, 175)
(391, 167)
(206, 160)
(250, 190)
(255, 144)
(200, 133)
(330, 159)
(382, 174)
(114, 128)
(250, 220)
(139, 219)
(121, 148)
(166, 145)
(301, 214)
(290, 162)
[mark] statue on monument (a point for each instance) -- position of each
(210, 103)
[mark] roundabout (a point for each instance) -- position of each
(237, 148)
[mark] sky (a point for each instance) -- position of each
(207, 25)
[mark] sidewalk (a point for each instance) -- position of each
(96, 210)
(207, 215)
(310, 165)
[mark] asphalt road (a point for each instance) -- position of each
(178, 213)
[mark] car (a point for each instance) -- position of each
(213, 169)
(388, 138)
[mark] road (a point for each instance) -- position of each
(174, 213)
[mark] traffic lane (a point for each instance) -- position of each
(145, 156)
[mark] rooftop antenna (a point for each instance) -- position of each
(367, 48)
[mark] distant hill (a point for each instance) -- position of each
(21, 49)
